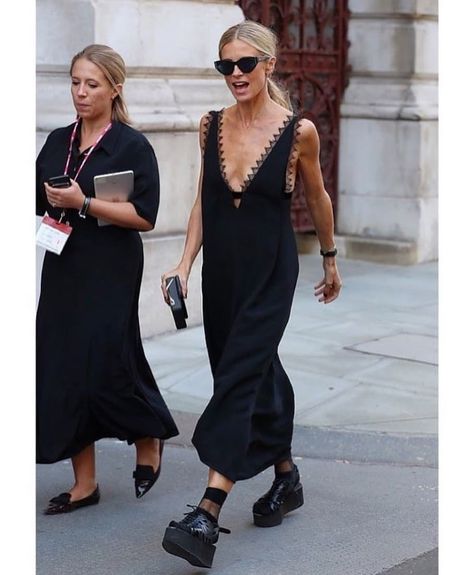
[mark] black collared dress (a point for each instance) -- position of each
(249, 273)
(93, 379)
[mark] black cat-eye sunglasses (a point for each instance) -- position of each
(245, 64)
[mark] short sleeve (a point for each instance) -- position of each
(146, 190)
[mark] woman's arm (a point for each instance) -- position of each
(320, 207)
(192, 246)
(140, 211)
(121, 214)
(193, 241)
(118, 213)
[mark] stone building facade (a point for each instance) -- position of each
(388, 167)
(388, 151)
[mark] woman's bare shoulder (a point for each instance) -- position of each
(307, 135)
(307, 129)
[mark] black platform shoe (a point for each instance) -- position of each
(145, 477)
(63, 504)
(194, 537)
(284, 496)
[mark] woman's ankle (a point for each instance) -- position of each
(83, 489)
(213, 500)
(148, 452)
(284, 467)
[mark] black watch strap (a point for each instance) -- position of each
(329, 253)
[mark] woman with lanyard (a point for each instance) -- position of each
(93, 380)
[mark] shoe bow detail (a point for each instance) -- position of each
(145, 477)
(62, 503)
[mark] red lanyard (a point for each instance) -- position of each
(91, 149)
(73, 135)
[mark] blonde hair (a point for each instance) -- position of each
(265, 41)
(113, 68)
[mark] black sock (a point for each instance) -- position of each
(284, 469)
(213, 500)
(215, 495)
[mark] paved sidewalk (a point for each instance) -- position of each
(357, 520)
(366, 362)
(364, 370)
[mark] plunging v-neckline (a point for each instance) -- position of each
(256, 167)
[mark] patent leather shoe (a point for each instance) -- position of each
(285, 495)
(63, 504)
(145, 477)
(194, 537)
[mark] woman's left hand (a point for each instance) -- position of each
(330, 286)
(71, 197)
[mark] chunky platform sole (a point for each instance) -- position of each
(187, 546)
(292, 502)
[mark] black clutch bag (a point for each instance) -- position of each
(177, 304)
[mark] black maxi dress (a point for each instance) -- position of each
(93, 379)
(249, 273)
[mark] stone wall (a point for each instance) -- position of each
(389, 128)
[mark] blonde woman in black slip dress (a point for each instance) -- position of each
(251, 154)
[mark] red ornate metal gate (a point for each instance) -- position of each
(312, 64)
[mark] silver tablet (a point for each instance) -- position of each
(116, 187)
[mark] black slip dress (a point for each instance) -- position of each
(249, 273)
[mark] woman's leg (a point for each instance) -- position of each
(284, 466)
(148, 452)
(218, 487)
(85, 490)
(84, 473)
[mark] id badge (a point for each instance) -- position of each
(52, 235)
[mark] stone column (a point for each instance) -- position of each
(169, 47)
(388, 154)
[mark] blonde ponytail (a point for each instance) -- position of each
(278, 95)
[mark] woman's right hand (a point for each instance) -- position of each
(183, 278)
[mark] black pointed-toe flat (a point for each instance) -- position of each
(145, 477)
(63, 504)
